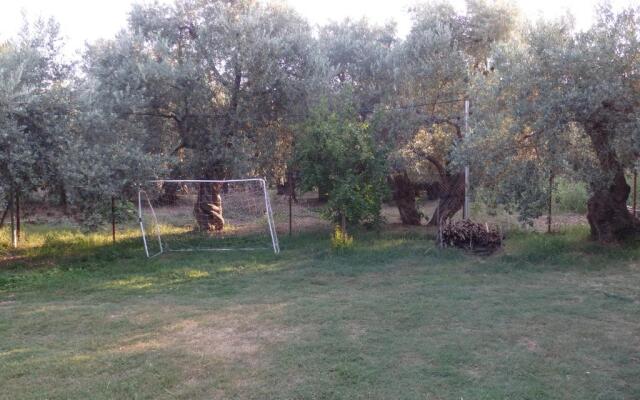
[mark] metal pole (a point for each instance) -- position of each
(439, 223)
(290, 216)
(290, 183)
(465, 210)
(113, 219)
(550, 202)
(635, 192)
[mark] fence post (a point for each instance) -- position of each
(113, 219)
(550, 202)
(438, 224)
(635, 192)
(17, 217)
(290, 184)
(14, 239)
(465, 209)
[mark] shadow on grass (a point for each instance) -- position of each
(569, 250)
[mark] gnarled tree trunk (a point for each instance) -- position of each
(208, 208)
(607, 212)
(169, 195)
(431, 189)
(404, 195)
(451, 198)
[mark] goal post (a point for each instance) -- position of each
(206, 215)
(144, 203)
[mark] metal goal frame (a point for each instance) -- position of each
(143, 198)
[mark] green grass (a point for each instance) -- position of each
(550, 317)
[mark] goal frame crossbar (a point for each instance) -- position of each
(162, 249)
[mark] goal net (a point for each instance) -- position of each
(192, 215)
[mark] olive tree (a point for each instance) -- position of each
(33, 109)
(53, 141)
(435, 65)
(560, 99)
(214, 82)
(358, 61)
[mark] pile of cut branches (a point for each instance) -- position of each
(468, 235)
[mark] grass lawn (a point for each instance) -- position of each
(550, 317)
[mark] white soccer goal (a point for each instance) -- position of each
(216, 215)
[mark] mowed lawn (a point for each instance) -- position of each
(550, 317)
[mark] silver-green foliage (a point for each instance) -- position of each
(52, 138)
(219, 81)
(558, 102)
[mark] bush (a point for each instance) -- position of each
(341, 240)
(337, 153)
(571, 196)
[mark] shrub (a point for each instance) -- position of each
(341, 240)
(336, 152)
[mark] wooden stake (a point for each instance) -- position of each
(113, 219)
(14, 241)
(17, 217)
(635, 193)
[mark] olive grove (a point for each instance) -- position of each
(212, 89)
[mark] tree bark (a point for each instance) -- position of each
(451, 198)
(607, 212)
(64, 203)
(288, 187)
(4, 215)
(451, 189)
(404, 195)
(431, 189)
(208, 207)
(169, 195)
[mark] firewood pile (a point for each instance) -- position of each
(468, 235)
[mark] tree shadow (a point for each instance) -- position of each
(571, 250)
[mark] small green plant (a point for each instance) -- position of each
(341, 240)
(571, 197)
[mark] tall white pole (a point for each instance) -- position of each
(465, 210)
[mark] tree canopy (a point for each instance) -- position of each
(222, 89)
(562, 101)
